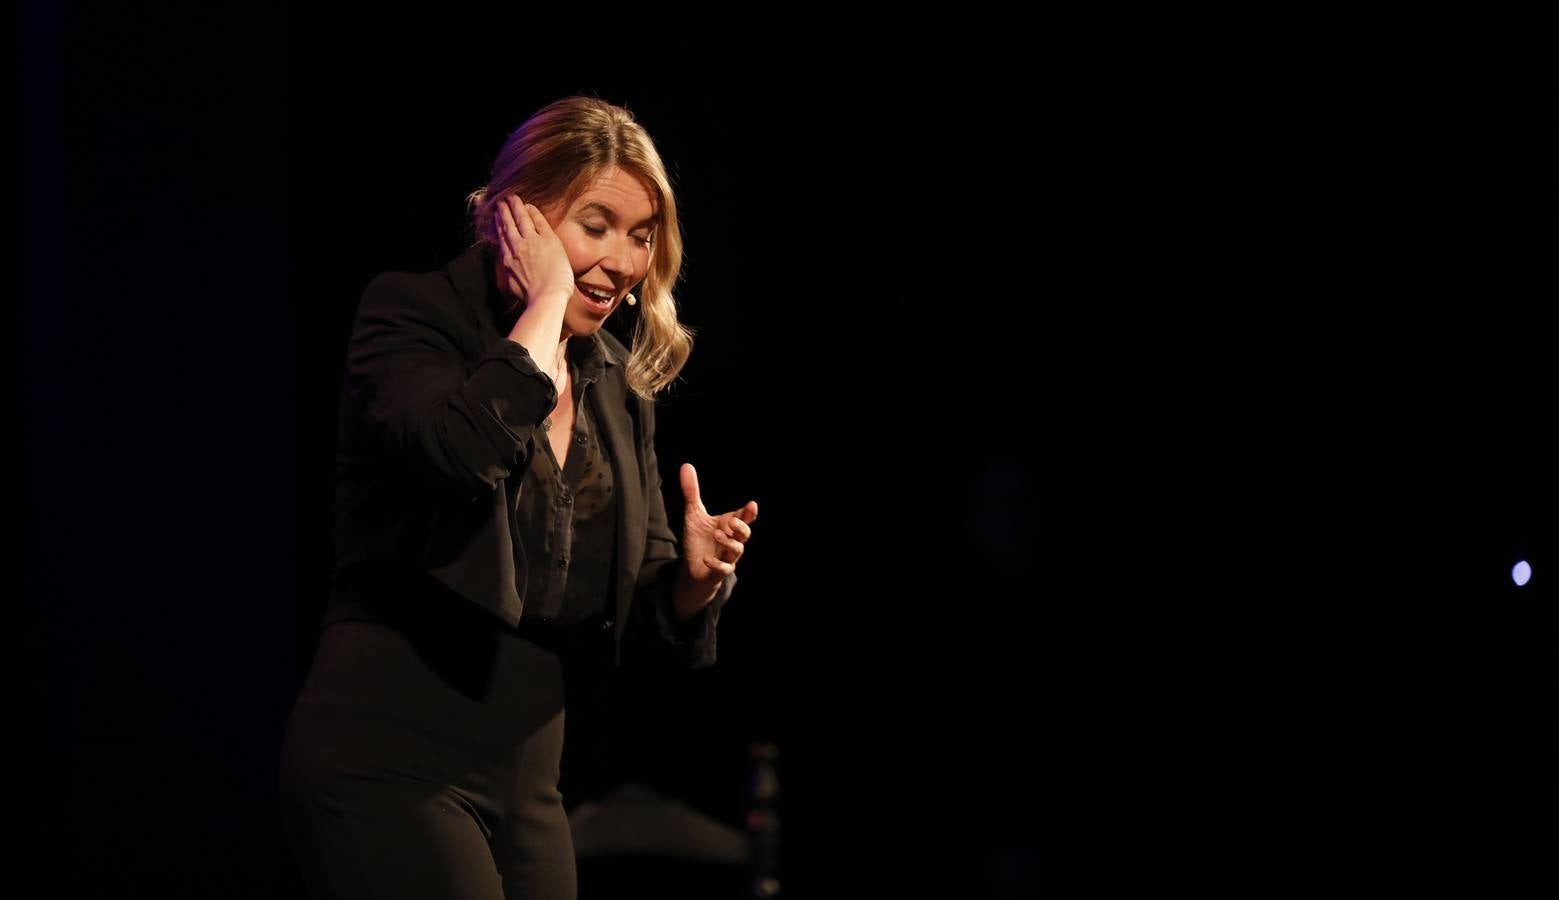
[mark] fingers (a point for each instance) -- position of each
(508, 237)
(520, 214)
(732, 535)
(736, 528)
(739, 523)
(538, 221)
(506, 226)
(689, 477)
(731, 530)
(733, 545)
(719, 565)
(517, 221)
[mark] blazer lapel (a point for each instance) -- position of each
(620, 428)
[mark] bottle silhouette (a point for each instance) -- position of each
(763, 821)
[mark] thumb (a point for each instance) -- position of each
(690, 486)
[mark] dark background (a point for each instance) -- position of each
(1145, 416)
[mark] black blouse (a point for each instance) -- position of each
(566, 512)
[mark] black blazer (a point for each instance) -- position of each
(437, 411)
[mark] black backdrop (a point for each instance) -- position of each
(1144, 416)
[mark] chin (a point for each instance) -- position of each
(584, 326)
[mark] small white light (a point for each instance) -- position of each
(1521, 573)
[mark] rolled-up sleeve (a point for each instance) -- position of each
(694, 639)
(412, 391)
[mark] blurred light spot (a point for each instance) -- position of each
(1521, 572)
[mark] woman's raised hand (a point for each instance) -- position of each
(533, 259)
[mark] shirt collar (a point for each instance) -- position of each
(589, 357)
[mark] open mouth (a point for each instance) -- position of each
(596, 301)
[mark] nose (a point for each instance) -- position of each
(618, 261)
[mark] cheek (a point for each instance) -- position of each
(578, 255)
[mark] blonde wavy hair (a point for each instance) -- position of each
(553, 156)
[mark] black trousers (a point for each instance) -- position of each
(422, 757)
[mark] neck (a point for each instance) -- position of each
(561, 373)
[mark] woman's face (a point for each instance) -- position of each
(607, 231)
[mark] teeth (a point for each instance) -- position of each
(603, 297)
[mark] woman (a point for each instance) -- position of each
(499, 516)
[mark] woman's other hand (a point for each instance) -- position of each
(711, 547)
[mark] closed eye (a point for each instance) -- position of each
(598, 232)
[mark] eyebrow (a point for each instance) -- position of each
(611, 214)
